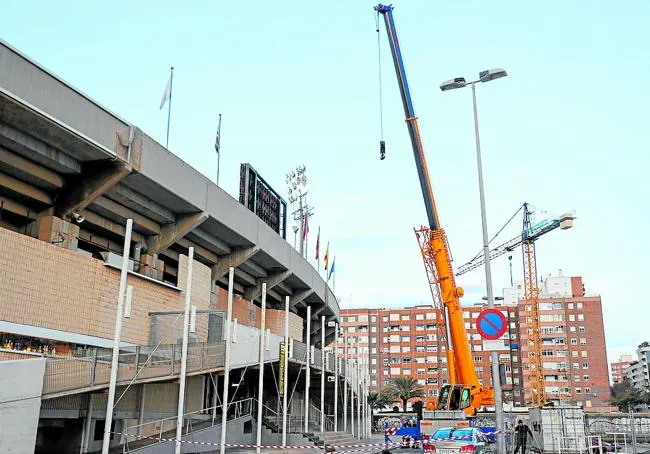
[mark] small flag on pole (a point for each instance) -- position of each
(217, 140)
(166, 93)
(331, 269)
(318, 244)
(327, 256)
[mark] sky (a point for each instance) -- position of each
(297, 83)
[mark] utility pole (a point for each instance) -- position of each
(297, 188)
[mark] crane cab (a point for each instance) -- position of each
(454, 397)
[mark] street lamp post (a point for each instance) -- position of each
(459, 82)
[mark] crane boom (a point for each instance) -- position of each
(528, 234)
(468, 393)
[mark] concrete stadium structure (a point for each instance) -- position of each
(71, 174)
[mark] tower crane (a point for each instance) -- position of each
(529, 234)
(464, 391)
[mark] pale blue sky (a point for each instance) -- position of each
(297, 84)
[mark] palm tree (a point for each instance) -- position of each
(406, 388)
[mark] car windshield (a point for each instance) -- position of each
(442, 433)
(463, 434)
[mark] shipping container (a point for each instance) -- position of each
(558, 429)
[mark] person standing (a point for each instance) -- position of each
(521, 436)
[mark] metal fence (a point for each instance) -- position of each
(134, 363)
(160, 430)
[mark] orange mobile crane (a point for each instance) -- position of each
(464, 391)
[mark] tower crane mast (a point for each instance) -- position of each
(529, 234)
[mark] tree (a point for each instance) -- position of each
(626, 397)
(379, 400)
(404, 389)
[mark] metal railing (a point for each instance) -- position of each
(135, 363)
(161, 430)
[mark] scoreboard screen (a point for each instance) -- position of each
(259, 197)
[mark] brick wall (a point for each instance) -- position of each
(249, 314)
(52, 287)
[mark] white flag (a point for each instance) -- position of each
(166, 93)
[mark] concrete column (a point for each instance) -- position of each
(226, 371)
(336, 380)
(345, 382)
(323, 375)
(286, 371)
(88, 420)
(307, 368)
(260, 383)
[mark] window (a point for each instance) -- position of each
(585, 377)
(373, 361)
(395, 359)
(431, 326)
(431, 337)
(352, 319)
(576, 378)
(574, 341)
(373, 329)
(421, 371)
(393, 338)
(570, 305)
(373, 350)
(373, 371)
(572, 329)
(419, 348)
(585, 365)
(406, 349)
(430, 316)
(419, 338)
(395, 370)
(574, 353)
(363, 318)
(406, 360)
(576, 365)
(394, 317)
(406, 338)
(478, 359)
(431, 359)
(579, 305)
(583, 341)
(572, 318)
(581, 329)
(373, 382)
(583, 353)
(422, 382)
(384, 318)
(405, 318)
(466, 314)
(433, 370)
(578, 391)
(373, 318)
(419, 316)
(515, 380)
(432, 348)
(587, 390)
(406, 371)
(352, 329)
(385, 361)
(468, 325)
(478, 348)
(394, 327)
(384, 329)
(388, 382)
(419, 327)
(405, 328)
(581, 317)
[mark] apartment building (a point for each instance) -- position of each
(407, 342)
(619, 368)
(573, 343)
(637, 372)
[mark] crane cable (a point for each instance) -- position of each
(382, 143)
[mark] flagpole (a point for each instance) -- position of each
(218, 147)
(334, 280)
(169, 108)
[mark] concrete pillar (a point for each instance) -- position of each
(56, 231)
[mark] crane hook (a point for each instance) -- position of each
(382, 150)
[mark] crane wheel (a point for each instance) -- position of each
(460, 292)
